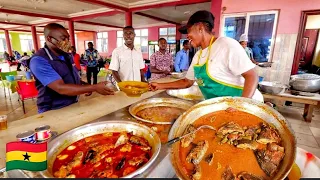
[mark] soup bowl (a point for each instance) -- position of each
(264, 112)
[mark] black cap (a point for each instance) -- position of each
(199, 16)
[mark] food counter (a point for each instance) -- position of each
(160, 168)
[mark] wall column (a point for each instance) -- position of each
(216, 10)
(71, 32)
(7, 36)
(34, 38)
(128, 16)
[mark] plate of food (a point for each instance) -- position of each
(251, 141)
(192, 93)
(133, 88)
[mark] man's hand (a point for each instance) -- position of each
(101, 88)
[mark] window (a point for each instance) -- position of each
(102, 42)
(168, 33)
(119, 38)
(3, 44)
(140, 41)
(42, 40)
(260, 28)
(26, 42)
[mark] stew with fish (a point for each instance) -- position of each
(243, 147)
(108, 155)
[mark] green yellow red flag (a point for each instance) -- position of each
(26, 156)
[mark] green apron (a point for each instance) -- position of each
(209, 86)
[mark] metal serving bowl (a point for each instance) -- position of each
(271, 87)
(178, 75)
(256, 108)
(66, 139)
(305, 82)
(192, 93)
(153, 102)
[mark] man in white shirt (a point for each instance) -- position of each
(127, 62)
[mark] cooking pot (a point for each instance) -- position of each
(305, 82)
(250, 106)
(63, 141)
(271, 87)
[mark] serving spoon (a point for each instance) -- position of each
(174, 140)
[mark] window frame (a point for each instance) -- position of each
(28, 38)
(120, 36)
(167, 35)
(247, 15)
(103, 39)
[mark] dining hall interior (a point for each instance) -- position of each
(282, 48)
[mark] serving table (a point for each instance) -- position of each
(309, 102)
(160, 168)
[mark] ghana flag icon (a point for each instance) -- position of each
(26, 156)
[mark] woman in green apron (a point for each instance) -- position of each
(220, 68)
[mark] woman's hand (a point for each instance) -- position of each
(154, 86)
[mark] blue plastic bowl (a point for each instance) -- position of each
(261, 78)
(10, 78)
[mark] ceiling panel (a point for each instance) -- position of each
(16, 18)
(63, 7)
(116, 20)
(178, 13)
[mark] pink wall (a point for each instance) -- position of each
(216, 11)
(81, 38)
(289, 15)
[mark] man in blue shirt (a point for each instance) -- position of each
(181, 62)
(57, 81)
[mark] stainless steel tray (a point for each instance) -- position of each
(192, 93)
(256, 108)
(153, 102)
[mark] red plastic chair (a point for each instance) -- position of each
(26, 90)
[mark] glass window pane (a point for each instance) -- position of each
(137, 32)
(99, 35)
(144, 32)
(163, 31)
(144, 41)
(137, 41)
(171, 38)
(260, 36)
(119, 42)
(234, 27)
(105, 34)
(41, 37)
(172, 31)
(105, 45)
(119, 34)
(99, 44)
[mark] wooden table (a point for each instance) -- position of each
(309, 102)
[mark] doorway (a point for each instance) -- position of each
(307, 52)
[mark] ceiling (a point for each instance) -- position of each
(96, 15)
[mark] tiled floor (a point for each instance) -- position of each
(307, 134)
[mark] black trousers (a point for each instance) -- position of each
(18, 67)
(92, 72)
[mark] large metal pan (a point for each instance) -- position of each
(153, 102)
(66, 139)
(192, 93)
(243, 104)
(305, 82)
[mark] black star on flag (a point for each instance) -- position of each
(26, 157)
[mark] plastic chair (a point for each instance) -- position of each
(5, 83)
(26, 90)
